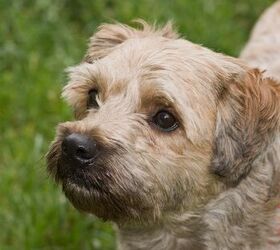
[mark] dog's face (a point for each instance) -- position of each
(147, 119)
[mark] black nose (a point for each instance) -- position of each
(79, 147)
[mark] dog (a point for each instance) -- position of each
(176, 144)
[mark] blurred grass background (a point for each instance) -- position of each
(38, 39)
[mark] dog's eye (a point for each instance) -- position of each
(165, 121)
(92, 102)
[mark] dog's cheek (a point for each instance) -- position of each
(173, 171)
(127, 192)
(161, 181)
(138, 186)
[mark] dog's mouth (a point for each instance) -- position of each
(91, 186)
(92, 176)
(88, 186)
(104, 186)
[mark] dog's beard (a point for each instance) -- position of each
(112, 187)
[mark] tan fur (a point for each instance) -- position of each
(213, 183)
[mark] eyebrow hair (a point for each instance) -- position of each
(85, 76)
(154, 94)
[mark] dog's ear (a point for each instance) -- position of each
(248, 114)
(108, 36)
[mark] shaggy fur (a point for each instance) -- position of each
(213, 183)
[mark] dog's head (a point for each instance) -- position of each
(161, 125)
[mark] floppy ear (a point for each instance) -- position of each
(109, 36)
(248, 115)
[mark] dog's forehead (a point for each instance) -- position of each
(151, 59)
(150, 63)
(134, 58)
(144, 57)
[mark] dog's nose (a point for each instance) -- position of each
(79, 147)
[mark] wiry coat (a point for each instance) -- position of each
(213, 183)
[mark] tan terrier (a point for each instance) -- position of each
(176, 144)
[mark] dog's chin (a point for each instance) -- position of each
(87, 190)
(99, 195)
(91, 200)
(85, 199)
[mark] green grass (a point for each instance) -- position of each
(38, 39)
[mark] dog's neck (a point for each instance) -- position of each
(176, 233)
(247, 209)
